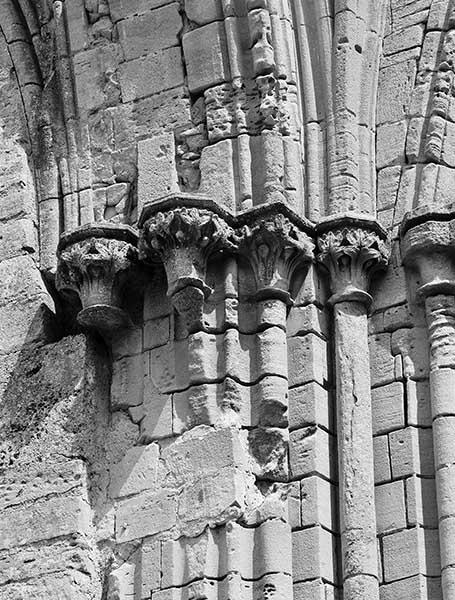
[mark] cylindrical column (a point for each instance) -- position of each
(428, 249)
(355, 452)
(352, 249)
(440, 312)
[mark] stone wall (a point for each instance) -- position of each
(208, 209)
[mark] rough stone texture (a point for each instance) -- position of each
(193, 452)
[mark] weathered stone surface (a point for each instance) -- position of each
(173, 464)
(205, 51)
(152, 74)
(150, 32)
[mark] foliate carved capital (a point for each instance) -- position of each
(428, 246)
(94, 262)
(276, 247)
(183, 238)
(352, 253)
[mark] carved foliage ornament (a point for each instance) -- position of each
(183, 239)
(96, 269)
(275, 247)
(352, 255)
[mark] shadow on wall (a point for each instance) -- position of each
(53, 419)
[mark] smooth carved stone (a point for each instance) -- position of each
(93, 262)
(184, 238)
(428, 244)
(352, 254)
(276, 248)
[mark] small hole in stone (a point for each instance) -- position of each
(358, 48)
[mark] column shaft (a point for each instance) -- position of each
(355, 453)
(440, 312)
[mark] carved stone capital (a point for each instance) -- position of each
(93, 262)
(352, 249)
(428, 245)
(276, 243)
(183, 238)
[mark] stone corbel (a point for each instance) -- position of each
(94, 262)
(352, 250)
(276, 243)
(183, 232)
(428, 245)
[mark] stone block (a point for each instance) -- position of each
(44, 520)
(145, 515)
(306, 319)
(121, 9)
(388, 183)
(413, 588)
(189, 559)
(17, 238)
(388, 408)
(24, 564)
(396, 83)
(165, 111)
(390, 144)
(436, 180)
(307, 357)
(78, 32)
(156, 332)
(206, 57)
(315, 590)
(21, 279)
(156, 302)
(397, 317)
(293, 505)
(211, 500)
(411, 552)
(127, 387)
(270, 346)
(382, 366)
(309, 405)
(151, 74)
(202, 12)
(390, 506)
(411, 452)
(318, 502)
(70, 584)
(382, 468)
(136, 472)
(412, 344)
(390, 289)
(29, 485)
(150, 32)
(318, 547)
(26, 323)
(127, 342)
(421, 502)
(154, 414)
(17, 195)
(406, 14)
(269, 536)
(310, 451)
(419, 403)
(121, 435)
(217, 173)
(403, 39)
(202, 451)
(94, 69)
